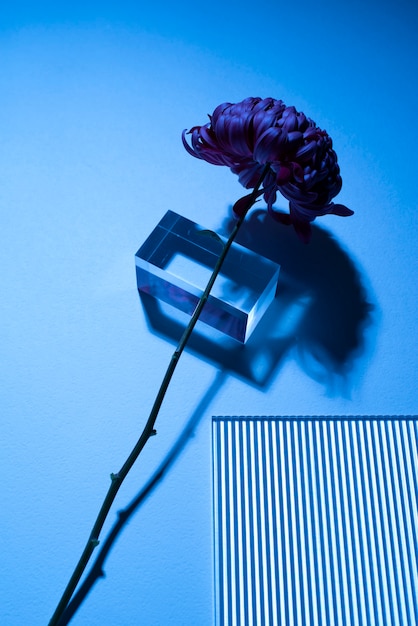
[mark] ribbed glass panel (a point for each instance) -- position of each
(316, 521)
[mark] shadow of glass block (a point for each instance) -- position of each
(176, 261)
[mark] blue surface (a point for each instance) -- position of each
(93, 100)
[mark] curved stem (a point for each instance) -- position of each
(148, 431)
(96, 572)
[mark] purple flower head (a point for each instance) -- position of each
(302, 163)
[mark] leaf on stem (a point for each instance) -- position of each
(212, 235)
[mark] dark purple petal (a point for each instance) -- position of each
(340, 209)
(283, 218)
(302, 228)
(269, 147)
(297, 171)
(284, 174)
(306, 152)
(290, 120)
(248, 174)
(186, 145)
(294, 138)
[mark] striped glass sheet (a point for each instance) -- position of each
(316, 521)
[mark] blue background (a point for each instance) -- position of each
(93, 99)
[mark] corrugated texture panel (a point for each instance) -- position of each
(316, 521)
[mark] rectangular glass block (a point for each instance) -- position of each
(176, 261)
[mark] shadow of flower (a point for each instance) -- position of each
(320, 294)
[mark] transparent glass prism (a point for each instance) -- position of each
(176, 261)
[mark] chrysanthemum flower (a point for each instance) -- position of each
(302, 163)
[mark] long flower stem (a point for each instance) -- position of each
(148, 431)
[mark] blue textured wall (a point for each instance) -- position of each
(92, 104)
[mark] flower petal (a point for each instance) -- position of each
(340, 209)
